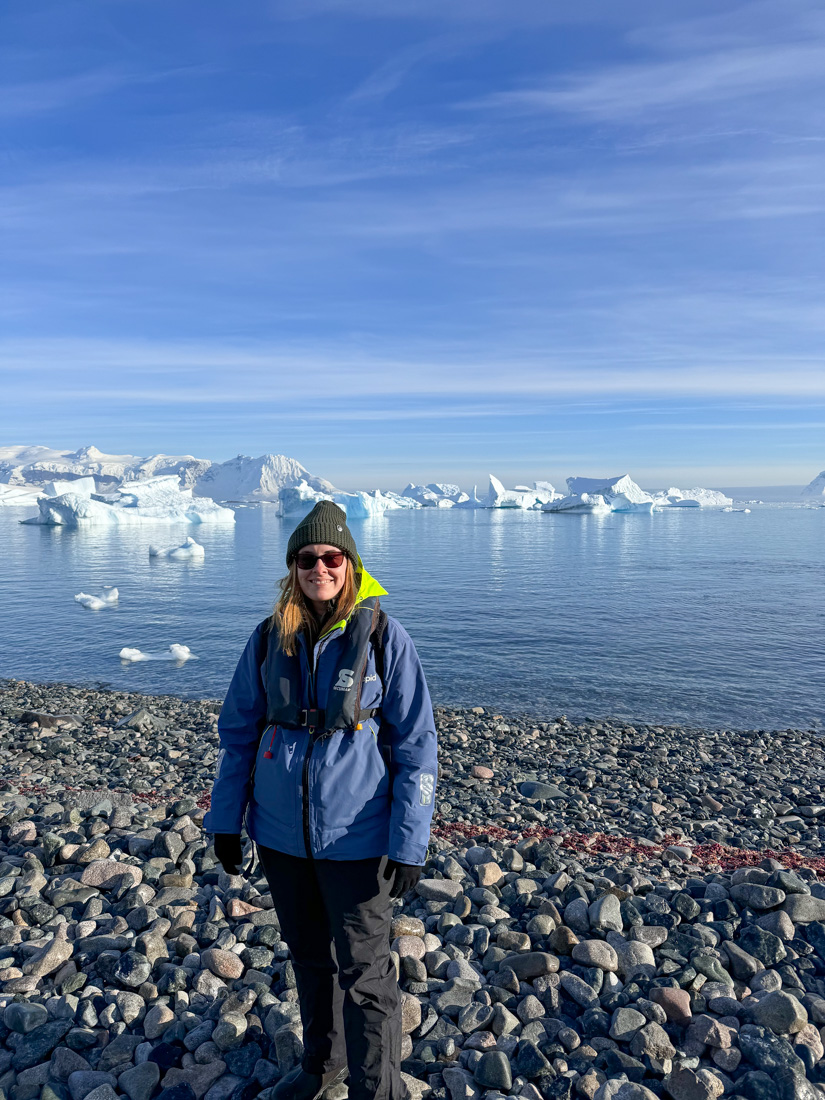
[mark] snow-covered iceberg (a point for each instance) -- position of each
(156, 500)
(188, 551)
(108, 597)
(522, 497)
(436, 494)
(179, 653)
(621, 493)
(691, 498)
(358, 505)
(816, 488)
(579, 504)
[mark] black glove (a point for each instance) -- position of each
(406, 877)
(228, 852)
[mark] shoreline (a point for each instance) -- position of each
(815, 727)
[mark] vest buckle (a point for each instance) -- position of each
(312, 718)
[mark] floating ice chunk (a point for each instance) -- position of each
(816, 488)
(83, 486)
(499, 497)
(158, 499)
(175, 652)
(435, 495)
(729, 509)
(357, 505)
(188, 551)
(446, 489)
(584, 504)
(691, 498)
(621, 493)
(107, 598)
(623, 503)
(397, 501)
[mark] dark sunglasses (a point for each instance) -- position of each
(332, 559)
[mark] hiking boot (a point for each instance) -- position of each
(300, 1085)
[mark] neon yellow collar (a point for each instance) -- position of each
(367, 586)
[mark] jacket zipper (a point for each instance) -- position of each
(307, 755)
(313, 702)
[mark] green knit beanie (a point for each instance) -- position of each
(326, 523)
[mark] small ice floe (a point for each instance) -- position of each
(179, 653)
(107, 598)
(187, 551)
(729, 509)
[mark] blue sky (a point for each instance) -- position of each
(409, 239)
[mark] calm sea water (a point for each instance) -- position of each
(697, 617)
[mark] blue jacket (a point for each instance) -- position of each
(353, 794)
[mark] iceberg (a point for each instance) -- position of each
(691, 498)
(622, 494)
(522, 497)
(179, 653)
(435, 495)
(188, 551)
(257, 479)
(396, 500)
(583, 504)
(156, 500)
(107, 598)
(816, 488)
(358, 505)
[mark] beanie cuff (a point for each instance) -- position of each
(326, 524)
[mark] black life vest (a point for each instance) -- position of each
(283, 680)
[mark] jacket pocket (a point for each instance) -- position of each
(350, 782)
(278, 777)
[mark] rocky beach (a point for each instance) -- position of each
(607, 911)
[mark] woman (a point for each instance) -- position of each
(328, 750)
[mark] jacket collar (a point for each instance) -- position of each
(367, 586)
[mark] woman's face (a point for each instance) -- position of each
(321, 583)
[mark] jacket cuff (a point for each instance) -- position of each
(414, 857)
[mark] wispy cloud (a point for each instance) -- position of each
(145, 370)
(634, 91)
(33, 97)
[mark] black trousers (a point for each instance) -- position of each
(335, 917)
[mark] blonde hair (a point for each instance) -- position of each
(292, 612)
